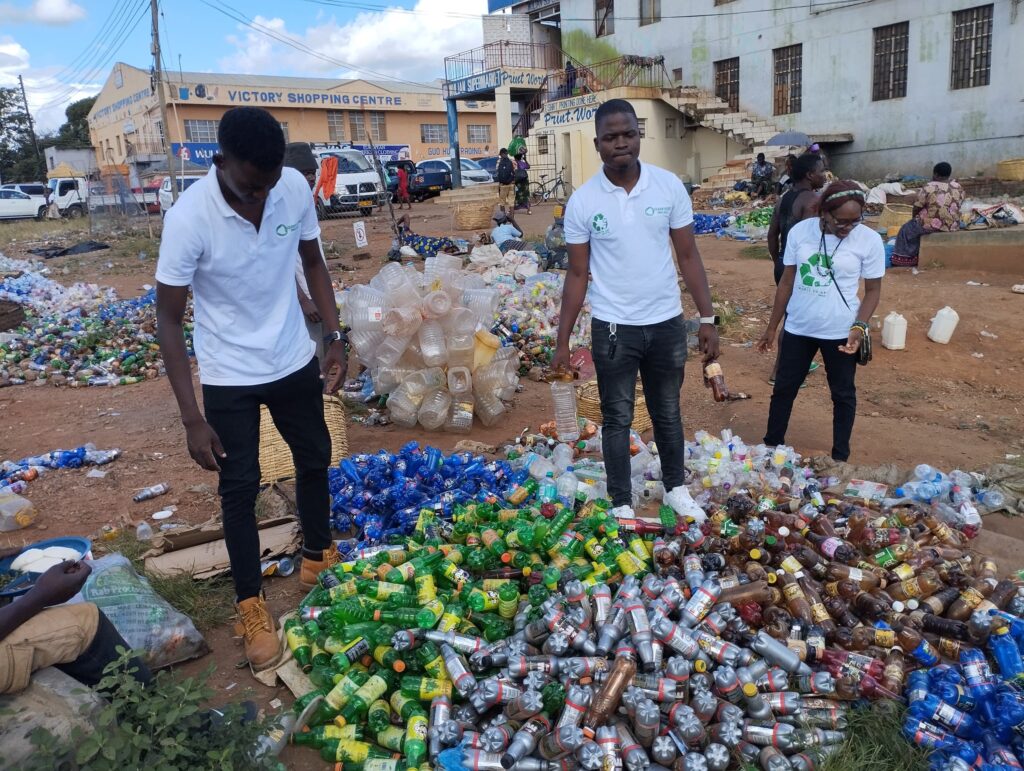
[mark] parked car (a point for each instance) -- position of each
(472, 172)
(490, 164)
(184, 183)
(422, 184)
(17, 205)
(28, 188)
(357, 185)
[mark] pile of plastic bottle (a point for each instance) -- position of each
(111, 344)
(493, 615)
(425, 338)
(710, 223)
(15, 475)
(760, 217)
(529, 316)
(44, 296)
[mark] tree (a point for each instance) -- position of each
(18, 159)
(75, 131)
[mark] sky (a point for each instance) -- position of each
(65, 49)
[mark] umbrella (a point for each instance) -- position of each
(791, 138)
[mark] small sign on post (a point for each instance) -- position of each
(359, 228)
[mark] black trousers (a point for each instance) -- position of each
(296, 405)
(658, 353)
(795, 355)
(88, 668)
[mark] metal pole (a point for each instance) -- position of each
(453, 142)
(155, 13)
(31, 128)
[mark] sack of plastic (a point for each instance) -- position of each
(145, 619)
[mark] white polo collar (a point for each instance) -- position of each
(224, 208)
(641, 184)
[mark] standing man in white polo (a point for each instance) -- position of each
(233, 237)
(620, 228)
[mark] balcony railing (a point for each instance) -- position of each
(504, 54)
(139, 145)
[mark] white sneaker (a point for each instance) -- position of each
(623, 512)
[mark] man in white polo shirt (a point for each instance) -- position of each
(621, 226)
(233, 237)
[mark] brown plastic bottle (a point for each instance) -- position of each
(715, 380)
(893, 675)
(607, 699)
(832, 547)
(970, 598)
(755, 591)
(868, 604)
(840, 611)
(755, 571)
(811, 560)
(796, 600)
(942, 532)
(923, 585)
(1003, 593)
(819, 613)
(777, 621)
(933, 624)
(866, 579)
(939, 601)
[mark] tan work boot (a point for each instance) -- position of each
(259, 633)
(312, 568)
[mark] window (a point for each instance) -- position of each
(378, 126)
(650, 12)
(722, 2)
(642, 126)
(284, 128)
(119, 151)
(890, 72)
(478, 135)
(335, 126)
(677, 75)
(159, 126)
(670, 128)
(604, 17)
(542, 144)
(201, 131)
(972, 47)
(433, 133)
(788, 79)
(357, 126)
(727, 82)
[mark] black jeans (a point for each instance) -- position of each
(88, 668)
(658, 353)
(795, 356)
(296, 405)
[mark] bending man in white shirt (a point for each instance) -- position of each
(621, 227)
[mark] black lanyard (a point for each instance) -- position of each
(829, 257)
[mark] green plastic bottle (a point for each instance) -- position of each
(430, 658)
(358, 704)
(416, 740)
(337, 697)
(537, 594)
(508, 600)
(495, 544)
(318, 735)
(298, 643)
(425, 688)
(378, 717)
(348, 750)
(480, 600)
(406, 618)
(380, 590)
(391, 737)
(419, 565)
(557, 526)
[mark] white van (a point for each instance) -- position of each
(357, 187)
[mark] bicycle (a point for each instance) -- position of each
(557, 189)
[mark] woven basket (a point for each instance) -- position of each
(588, 404)
(276, 457)
(895, 215)
(474, 215)
(1012, 171)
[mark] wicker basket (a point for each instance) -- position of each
(276, 457)
(895, 215)
(1012, 171)
(474, 215)
(588, 404)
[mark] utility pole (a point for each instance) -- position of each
(158, 72)
(31, 128)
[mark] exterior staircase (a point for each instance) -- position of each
(742, 127)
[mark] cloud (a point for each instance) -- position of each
(410, 46)
(47, 97)
(54, 12)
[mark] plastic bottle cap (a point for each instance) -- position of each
(771, 578)
(700, 666)
(770, 540)
(783, 531)
(398, 665)
(898, 606)
(749, 690)
(755, 554)
(526, 571)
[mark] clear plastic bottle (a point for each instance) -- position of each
(390, 351)
(435, 304)
(460, 414)
(548, 492)
(489, 408)
(566, 486)
(561, 457)
(563, 397)
(15, 512)
(460, 380)
(432, 344)
(402, 322)
(460, 349)
(433, 409)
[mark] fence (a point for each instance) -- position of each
(502, 55)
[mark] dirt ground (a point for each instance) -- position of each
(958, 405)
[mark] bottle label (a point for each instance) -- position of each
(885, 558)
(925, 654)
(948, 715)
(885, 638)
(792, 591)
(791, 565)
(911, 587)
(949, 648)
(971, 597)
(903, 571)
(856, 574)
(830, 546)
(819, 613)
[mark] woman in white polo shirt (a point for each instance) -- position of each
(825, 260)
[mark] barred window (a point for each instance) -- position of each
(201, 131)
(972, 47)
(604, 17)
(478, 135)
(336, 125)
(890, 75)
(788, 94)
(433, 133)
(378, 126)
(650, 12)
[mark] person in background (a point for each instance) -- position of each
(522, 180)
(825, 260)
(506, 232)
(299, 156)
(785, 179)
(505, 176)
(402, 194)
(232, 237)
(937, 210)
(425, 246)
(761, 174)
(621, 227)
(800, 202)
(570, 77)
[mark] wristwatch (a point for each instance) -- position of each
(335, 337)
(715, 320)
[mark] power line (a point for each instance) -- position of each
(69, 71)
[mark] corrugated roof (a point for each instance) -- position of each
(280, 81)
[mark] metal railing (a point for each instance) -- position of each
(144, 146)
(504, 54)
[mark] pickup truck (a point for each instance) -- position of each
(422, 184)
(74, 196)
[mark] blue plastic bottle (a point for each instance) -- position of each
(980, 682)
(935, 710)
(998, 753)
(1006, 653)
(1011, 712)
(917, 685)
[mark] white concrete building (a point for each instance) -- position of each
(909, 83)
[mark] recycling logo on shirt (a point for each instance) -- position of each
(599, 223)
(815, 271)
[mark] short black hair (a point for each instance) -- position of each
(613, 107)
(252, 134)
(804, 165)
(760, 156)
(942, 169)
(503, 151)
